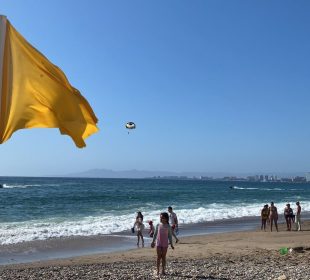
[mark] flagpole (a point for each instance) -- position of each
(2, 43)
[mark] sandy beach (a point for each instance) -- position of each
(250, 254)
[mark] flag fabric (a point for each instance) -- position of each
(35, 93)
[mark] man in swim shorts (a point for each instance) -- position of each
(173, 221)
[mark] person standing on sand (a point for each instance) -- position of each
(173, 219)
(298, 216)
(163, 233)
(264, 216)
(139, 226)
(273, 216)
(288, 215)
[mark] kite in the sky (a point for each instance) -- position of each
(36, 93)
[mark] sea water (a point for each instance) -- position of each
(43, 208)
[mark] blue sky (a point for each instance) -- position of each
(213, 86)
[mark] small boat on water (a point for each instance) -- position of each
(1, 186)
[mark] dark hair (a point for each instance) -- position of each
(139, 215)
(165, 216)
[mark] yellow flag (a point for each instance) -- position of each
(36, 93)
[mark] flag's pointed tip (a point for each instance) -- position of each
(3, 18)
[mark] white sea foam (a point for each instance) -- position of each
(7, 186)
(11, 233)
(260, 189)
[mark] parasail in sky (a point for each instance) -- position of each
(130, 125)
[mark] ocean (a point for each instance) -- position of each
(49, 208)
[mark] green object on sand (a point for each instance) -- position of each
(283, 251)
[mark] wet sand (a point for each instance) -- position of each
(247, 254)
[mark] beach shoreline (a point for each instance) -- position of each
(80, 246)
(59, 248)
(229, 255)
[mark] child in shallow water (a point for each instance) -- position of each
(152, 229)
(163, 233)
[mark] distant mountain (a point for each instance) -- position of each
(108, 173)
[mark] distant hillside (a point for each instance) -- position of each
(107, 173)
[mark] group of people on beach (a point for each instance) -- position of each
(269, 214)
(162, 234)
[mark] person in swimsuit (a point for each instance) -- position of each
(298, 215)
(273, 216)
(264, 216)
(139, 226)
(163, 234)
(288, 215)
